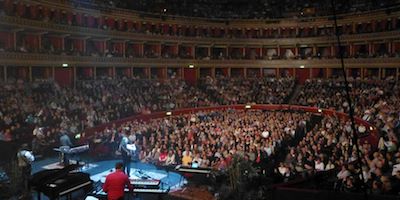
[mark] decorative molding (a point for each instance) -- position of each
(43, 60)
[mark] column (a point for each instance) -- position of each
(351, 49)
(62, 43)
(15, 40)
(123, 49)
(74, 71)
(30, 73)
(141, 49)
(362, 70)
(370, 48)
(94, 73)
(5, 73)
(84, 46)
(53, 72)
(278, 50)
(113, 72)
(39, 42)
(314, 50)
(326, 73)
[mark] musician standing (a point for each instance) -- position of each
(65, 143)
(126, 153)
(25, 159)
(116, 182)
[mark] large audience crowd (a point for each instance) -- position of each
(212, 138)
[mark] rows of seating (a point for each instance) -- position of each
(49, 14)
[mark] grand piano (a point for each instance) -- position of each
(57, 183)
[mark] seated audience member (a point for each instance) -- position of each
(170, 158)
(187, 159)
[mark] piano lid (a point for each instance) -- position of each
(46, 176)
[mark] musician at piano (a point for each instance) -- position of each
(116, 182)
(25, 159)
(65, 143)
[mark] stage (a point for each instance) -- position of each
(98, 170)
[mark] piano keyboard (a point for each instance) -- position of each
(148, 190)
(145, 182)
(193, 170)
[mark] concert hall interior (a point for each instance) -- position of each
(199, 99)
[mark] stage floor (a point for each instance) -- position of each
(99, 169)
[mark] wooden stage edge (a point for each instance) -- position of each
(193, 193)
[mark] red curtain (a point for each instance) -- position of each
(79, 19)
(63, 76)
(90, 21)
(9, 6)
(302, 75)
(20, 9)
(189, 75)
(7, 39)
(56, 42)
(33, 11)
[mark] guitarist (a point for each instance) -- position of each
(126, 153)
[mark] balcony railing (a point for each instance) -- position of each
(26, 24)
(33, 59)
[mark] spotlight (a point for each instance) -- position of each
(301, 66)
(168, 113)
(371, 128)
(64, 65)
(191, 66)
(247, 106)
(320, 110)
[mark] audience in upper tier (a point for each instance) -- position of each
(108, 23)
(238, 9)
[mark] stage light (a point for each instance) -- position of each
(302, 66)
(64, 65)
(371, 128)
(168, 113)
(320, 110)
(191, 66)
(247, 106)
